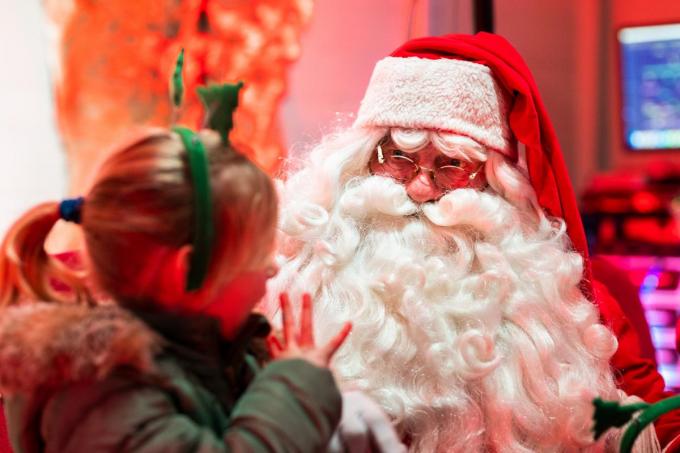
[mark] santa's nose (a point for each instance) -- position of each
(422, 188)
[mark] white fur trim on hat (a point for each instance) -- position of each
(445, 94)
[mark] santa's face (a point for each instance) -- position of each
(469, 326)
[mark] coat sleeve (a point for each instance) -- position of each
(635, 374)
(291, 406)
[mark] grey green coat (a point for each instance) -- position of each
(78, 379)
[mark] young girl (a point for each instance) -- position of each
(164, 368)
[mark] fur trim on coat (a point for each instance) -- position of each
(46, 345)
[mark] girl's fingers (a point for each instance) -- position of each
(334, 344)
(288, 327)
(271, 347)
(306, 328)
(274, 345)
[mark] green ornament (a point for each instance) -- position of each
(610, 414)
(651, 413)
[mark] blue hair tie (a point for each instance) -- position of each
(70, 208)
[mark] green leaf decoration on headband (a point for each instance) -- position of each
(177, 84)
(220, 101)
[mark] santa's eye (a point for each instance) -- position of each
(449, 162)
(398, 152)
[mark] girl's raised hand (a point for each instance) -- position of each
(300, 344)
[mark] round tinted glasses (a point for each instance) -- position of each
(448, 173)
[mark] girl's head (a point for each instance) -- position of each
(138, 224)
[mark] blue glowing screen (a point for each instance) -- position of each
(650, 76)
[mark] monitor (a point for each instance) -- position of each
(650, 86)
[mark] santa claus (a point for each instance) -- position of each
(460, 258)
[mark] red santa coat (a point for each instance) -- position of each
(635, 374)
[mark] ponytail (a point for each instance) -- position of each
(27, 272)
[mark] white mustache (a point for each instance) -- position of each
(376, 197)
(482, 211)
(376, 194)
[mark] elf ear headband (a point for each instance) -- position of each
(219, 101)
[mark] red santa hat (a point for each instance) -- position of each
(478, 86)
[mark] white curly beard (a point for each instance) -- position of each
(469, 327)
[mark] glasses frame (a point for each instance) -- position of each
(417, 168)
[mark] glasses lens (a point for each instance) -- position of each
(451, 177)
(395, 166)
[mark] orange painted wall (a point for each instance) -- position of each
(114, 61)
(115, 58)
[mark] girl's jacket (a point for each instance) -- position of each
(83, 379)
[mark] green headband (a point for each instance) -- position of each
(204, 229)
(219, 101)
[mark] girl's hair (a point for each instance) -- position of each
(141, 203)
